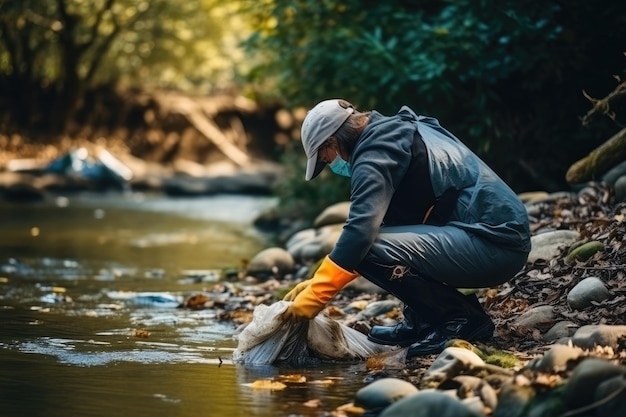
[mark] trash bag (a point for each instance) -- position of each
(269, 339)
(102, 169)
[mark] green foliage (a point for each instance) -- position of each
(299, 199)
(175, 43)
(505, 76)
(59, 49)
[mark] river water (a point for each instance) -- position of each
(89, 324)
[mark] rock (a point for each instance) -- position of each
(313, 244)
(614, 174)
(541, 317)
(513, 399)
(591, 335)
(334, 214)
(589, 373)
(297, 238)
(615, 389)
(271, 262)
(532, 196)
(428, 404)
(583, 252)
(556, 359)
(383, 392)
(620, 189)
(468, 386)
(363, 285)
(560, 330)
(586, 291)
(450, 363)
(373, 309)
(550, 244)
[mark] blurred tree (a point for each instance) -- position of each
(55, 50)
(506, 76)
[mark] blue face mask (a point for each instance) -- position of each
(340, 167)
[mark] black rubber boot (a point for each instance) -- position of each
(439, 313)
(410, 330)
(406, 286)
(468, 322)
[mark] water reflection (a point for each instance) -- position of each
(89, 324)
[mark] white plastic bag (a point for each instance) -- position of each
(270, 339)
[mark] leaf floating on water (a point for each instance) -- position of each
(350, 409)
(294, 378)
(325, 382)
(143, 333)
(315, 403)
(268, 384)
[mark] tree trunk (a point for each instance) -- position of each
(599, 161)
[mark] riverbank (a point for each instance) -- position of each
(564, 308)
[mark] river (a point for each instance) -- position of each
(89, 324)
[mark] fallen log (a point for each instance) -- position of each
(598, 161)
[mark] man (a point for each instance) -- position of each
(427, 216)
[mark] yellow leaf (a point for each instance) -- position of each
(294, 379)
(351, 409)
(313, 403)
(268, 384)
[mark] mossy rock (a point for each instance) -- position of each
(584, 252)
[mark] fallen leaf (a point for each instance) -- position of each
(268, 384)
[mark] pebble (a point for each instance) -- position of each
(540, 317)
(550, 244)
(429, 404)
(333, 214)
(271, 262)
(586, 292)
(382, 393)
(585, 379)
(592, 335)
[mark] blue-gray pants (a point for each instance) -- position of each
(446, 254)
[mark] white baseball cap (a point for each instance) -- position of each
(319, 124)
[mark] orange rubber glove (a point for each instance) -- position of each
(291, 295)
(327, 281)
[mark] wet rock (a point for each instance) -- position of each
(591, 335)
(428, 404)
(560, 330)
(586, 291)
(550, 244)
(333, 214)
(271, 262)
(541, 317)
(590, 373)
(383, 392)
(450, 363)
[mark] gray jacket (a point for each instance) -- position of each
(486, 206)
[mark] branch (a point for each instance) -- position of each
(603, 106)
(106, 43)
(94, 29)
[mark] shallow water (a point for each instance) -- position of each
(84, 280)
